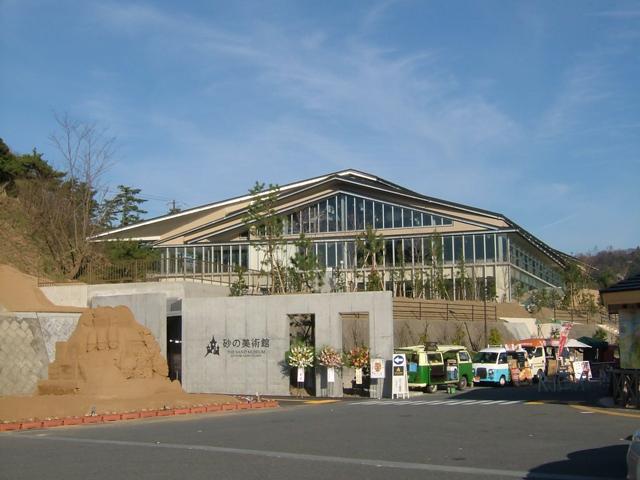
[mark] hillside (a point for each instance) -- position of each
(612, 265)
(19, 248)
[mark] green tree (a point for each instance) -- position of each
(124, 207)
(129, 250)
(239, 287)
(437, 280)
(16, 167)
(574, 280)
(600, 334)
(495, 338)
(64, 212)
(370, 247)
(464, 284)
(305, 271)
(265, 232)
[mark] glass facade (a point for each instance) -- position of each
(343, 213)
(498, 259)
(205, 259)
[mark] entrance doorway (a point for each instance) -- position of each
(302, 329)
(174, 347)
(355, 333)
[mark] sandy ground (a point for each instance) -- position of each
(42, 407)
(19, 292)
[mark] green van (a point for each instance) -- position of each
(437, 365)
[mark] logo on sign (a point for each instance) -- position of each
(399, 359)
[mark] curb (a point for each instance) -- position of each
(115, 417)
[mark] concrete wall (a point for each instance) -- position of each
(27, 346)
(149, 309)
(81, 295)
(235, 368)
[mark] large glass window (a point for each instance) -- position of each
(359, 214)
(331, 214)
(399, 258)
(322, 254)
(457, 245)
(490, 248)
(426, 244)
(351, 255)
(447, 249)
(304, 219)
(244, 256)
(331, 254)
(479, 244)
(347, 213)
(408, 251)
(351, 213)
(378, 215)
(368, 214)
(388, 253)
(397, 217)
(406, 218)
(322, 216)
(235, 255)
(388, 216)
(468, 248)
(295, 223)
(313, 219)
(417, 219)
(340, 255)
(226, 250)
(418, 259)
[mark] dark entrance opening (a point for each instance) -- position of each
(302, 329)
(174, 347)
(355, 333)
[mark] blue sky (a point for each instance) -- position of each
(530, 109)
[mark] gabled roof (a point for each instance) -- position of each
(349, 177)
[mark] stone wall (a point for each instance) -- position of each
(27, 346)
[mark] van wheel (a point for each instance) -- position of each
(503, 381)
(463, 383)
(431, 388)
(539, 375)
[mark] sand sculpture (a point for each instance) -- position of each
(109, 354)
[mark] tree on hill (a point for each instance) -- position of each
(66, 210)
(15, 167)
(611, 266)
(124, 207)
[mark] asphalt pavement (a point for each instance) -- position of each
(429, 436)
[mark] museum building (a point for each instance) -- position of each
(474, 250)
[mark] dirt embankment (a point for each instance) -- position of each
(19, 292)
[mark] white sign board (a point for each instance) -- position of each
(300, 375)
(358, 376)
(331, 375)
(400, 384)
(377, 368)
(582, 371)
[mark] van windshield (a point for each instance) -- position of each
(485, 357)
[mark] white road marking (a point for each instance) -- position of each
(445, 402)
(318, 458)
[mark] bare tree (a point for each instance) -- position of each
(67, 212)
